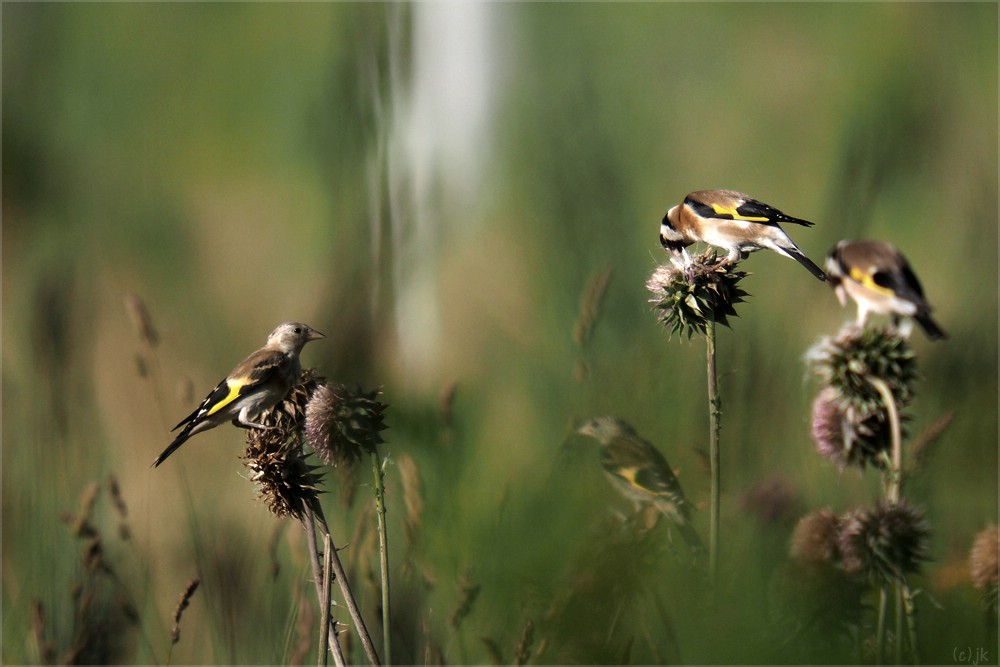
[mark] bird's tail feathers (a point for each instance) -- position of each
(690, 537)
(172, 447)
(798, 256)
(931, 328)
(796, 221)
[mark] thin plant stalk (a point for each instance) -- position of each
(341, 578)
(324, 610)
(883, 602)
(911, 622)
(321, 579)
(898, 657)
(714, 415)
(352, 606)
(895, 482)
(894, 487)
(383, 548)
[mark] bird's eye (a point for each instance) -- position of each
(298, 330)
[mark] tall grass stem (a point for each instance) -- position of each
(383, 548)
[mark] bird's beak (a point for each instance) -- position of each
(315, 335)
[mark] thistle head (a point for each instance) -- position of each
(688, 298)
(886, 544)
(274, 458)
(850, 361)
(342, 423)
(814, 539)
(846, 437)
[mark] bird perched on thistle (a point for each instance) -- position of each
(641, 474)
(259, 382)
(879, 279)
(732, 221)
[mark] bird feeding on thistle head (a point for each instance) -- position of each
(259, 382)
(879, 279)
(733, 221)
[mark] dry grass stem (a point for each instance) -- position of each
(413, 499)
(923, 445)
(522, 652)
(591, 306)
(118, 501)
(182, 604)
(141, 321)
(467, 594)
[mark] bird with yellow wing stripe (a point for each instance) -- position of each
(733, 221)
(879, 279)
(259, 382)
(640, 473)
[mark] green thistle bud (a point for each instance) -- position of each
(688, 299)
(851, 360)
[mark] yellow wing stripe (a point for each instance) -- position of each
(630, 475)
(234, 392)
(868, 280)
(731, 211)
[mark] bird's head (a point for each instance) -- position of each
(291, 336)
(604, 428)
(670, 236)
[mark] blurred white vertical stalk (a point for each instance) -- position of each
(430, 159)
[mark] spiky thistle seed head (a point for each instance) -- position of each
(687, 299)
(846, 437)
(886, 544)
(814, 539)
(274, 457)
(344, 422)
(853, 358)
(983, 565)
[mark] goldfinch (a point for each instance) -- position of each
(879, 279)
(641, 474)
(259, 382)
(734, 222)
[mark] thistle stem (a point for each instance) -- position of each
(894, 485)
(321, 579)
(341, 578)
(324, 610)
(383, 548)
(911, 622)
(883, 603)
(714, 416)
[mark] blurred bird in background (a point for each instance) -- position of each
(641, 474)
(879, 279)
(259, 382)
(732, 221)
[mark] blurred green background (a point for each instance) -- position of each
(434, 186)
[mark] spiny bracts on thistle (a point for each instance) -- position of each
(885, 544)
(846, 437)
(687, 299)
(342, 423)
(274, 457)
(850, 361)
